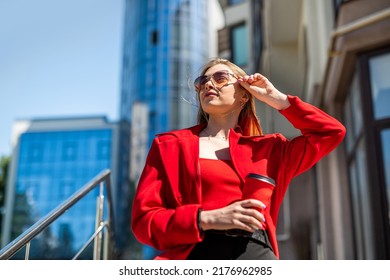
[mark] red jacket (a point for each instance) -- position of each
(168, 195)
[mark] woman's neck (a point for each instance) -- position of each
(219, 127)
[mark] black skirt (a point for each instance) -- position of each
(218, 245)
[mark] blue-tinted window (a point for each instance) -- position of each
(240, 45)
(234, 2)
(69, 151)
(103, 150)
(380, 85)
(385, 135)
(35, 152)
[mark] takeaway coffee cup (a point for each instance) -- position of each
(258, 187)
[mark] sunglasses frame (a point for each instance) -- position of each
(197, 82)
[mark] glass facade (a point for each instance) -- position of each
(164, 49)
(51, 166)
(165, 45)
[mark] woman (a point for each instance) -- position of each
(189, 202)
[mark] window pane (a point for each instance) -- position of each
(380, 85)
(240, 45)
(353, 113)
(360, 191)
(386, 161)
(348, 122)
(356, 106)
(234, 2)
(356, 203)
(365, 193)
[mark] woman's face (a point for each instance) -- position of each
(218, 91)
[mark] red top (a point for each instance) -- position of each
(220, 183)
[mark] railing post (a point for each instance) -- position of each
(99, 221)
(106, 245)
(27, 253)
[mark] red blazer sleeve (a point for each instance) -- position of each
(154, 222)
(321, 134)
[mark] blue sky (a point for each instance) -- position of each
(58, 59)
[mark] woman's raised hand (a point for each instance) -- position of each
(260, 87)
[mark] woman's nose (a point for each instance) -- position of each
(209, 84)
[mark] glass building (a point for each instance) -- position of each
(165, 45)
(52, 159)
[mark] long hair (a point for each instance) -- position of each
(247, 120)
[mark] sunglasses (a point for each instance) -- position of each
(219, 80)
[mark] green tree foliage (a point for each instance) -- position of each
(4, 165)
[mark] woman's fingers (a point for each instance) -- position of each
(251, 222)
(254, 84)
(249, 214)
(253, 78)
(249, 203)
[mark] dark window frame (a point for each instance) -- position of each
(375, 169)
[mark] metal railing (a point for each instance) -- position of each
(108, 244)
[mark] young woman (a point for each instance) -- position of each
(189, 202)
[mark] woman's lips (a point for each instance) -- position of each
(210, 93)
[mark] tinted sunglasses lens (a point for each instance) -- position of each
(200, 82)
(221, 78)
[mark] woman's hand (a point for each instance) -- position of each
(264, 90)
(238, 215)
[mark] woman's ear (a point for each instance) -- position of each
(244, 98)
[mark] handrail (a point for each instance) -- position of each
(13, 247)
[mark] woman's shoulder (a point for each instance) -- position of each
(179, 133)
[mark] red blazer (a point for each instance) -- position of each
(168, 196)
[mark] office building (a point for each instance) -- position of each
(51, 160)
